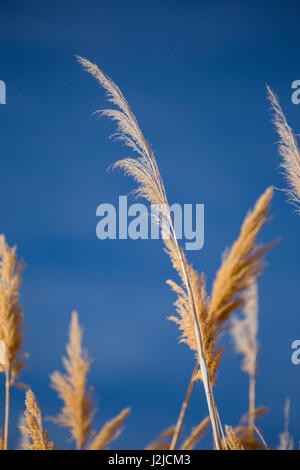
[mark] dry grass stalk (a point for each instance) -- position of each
(239, 267)
(162, 442)
(196, 435)
(286, 442)
(261, 437)
(288, 149)
(1, 440)
(184, 320)
(145, 171)
(183, 409)
(33, 429)
(11, 322)
(77, 412)
(110, 431)
(244, 332)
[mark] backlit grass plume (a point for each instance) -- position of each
(35, 437)
(239, 267)
(77, 411)
(144, 168)
(11, 322)
(251, 438)
(232, 440)
(185, 321)
(241, 264)
(286, 442)
(288, 149)
(244, 332)
(145, 171)
(110, 431)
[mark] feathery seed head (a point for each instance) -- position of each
(286, 442)
(244, 331)
(78, 411)
(144, 169)
(239, 267)
(288, 149)
(232, 440)
(110, 431)
(11, 314)
(35, 437)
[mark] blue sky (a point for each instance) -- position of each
(194, 73)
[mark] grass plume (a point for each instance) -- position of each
(36, 437)
(145, 171)
(288, 149)
(232, 440)
(243, 263)
(78, 411)
(251, 438)
(11, 323)
(244, 332)
(110, 431)
(286, 442)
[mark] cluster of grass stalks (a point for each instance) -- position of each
(201, 318)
